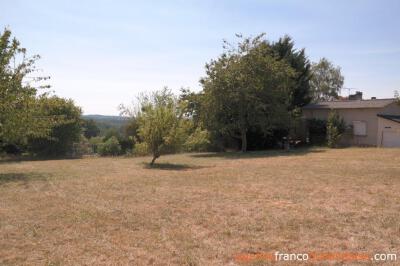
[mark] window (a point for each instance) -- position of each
(359, 128)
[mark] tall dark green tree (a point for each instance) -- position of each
(247, 87)
(300, 92)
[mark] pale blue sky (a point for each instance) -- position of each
(102, 53)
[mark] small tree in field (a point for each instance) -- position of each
(335, 127)
(159, 120)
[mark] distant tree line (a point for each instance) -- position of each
(251, 98)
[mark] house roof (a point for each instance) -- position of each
(350, 104)
(394, 118)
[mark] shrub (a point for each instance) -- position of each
(95, 142)
(10, 149)
(335, 127)
(126, 144)
(199, 140)
(81, 147)
(110, 147)
(141, 148)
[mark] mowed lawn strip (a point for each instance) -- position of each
(198, 209)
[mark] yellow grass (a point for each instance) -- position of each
(198, 209)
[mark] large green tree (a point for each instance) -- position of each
(246, 88)
(19, 112)
(64, 132)
(327, 80)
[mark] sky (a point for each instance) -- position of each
(102, 53)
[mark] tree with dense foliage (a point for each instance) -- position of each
(125, 141)
(327, 80)
(90, 128)
(247, 87)
(64, 133)
(335, 127)
(300, 91)
(191, 103)
(112, 132)
(19, 112)
(299, 94)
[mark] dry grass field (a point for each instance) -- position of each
(198, 209)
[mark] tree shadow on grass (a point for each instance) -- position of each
(259, 154)
(21, 177)
(172, 166)
(19, 159)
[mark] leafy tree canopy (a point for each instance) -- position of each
(327, 81)
(247, 87)
(159, 123)
(64, 132)
(19, 112)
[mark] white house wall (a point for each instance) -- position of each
(368, 115)
(386, 125)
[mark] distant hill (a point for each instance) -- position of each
(107, 118)
(106, 122)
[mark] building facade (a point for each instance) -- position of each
(374, 122)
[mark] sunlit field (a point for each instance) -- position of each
(198, 209)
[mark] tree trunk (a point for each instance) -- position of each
(155, 156)
(244, 140)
